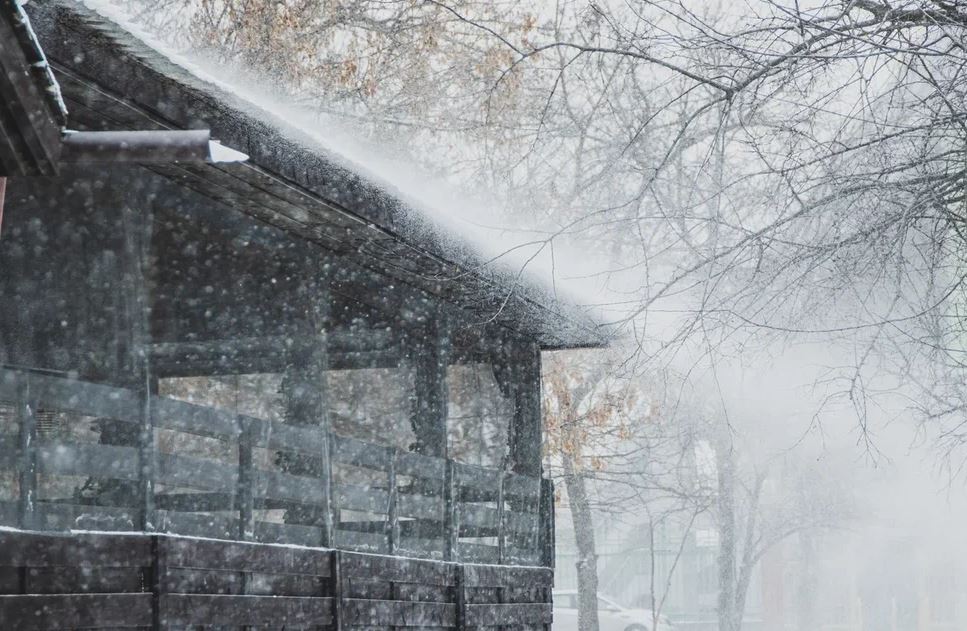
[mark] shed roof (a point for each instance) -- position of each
(110, 79)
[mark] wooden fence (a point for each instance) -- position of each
(99, 581)
(251, 479)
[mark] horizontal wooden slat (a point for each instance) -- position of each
(194, 419)
(476, 477)
(361, 498)
(272, 435)
(360, 541)
(81, 579)
(274, 484)
(522, 523)
(359, 453)
(379, 613)
(82, 397)
(396, 569)
(217, 609)
(270, 532)
(196, 473)
(245, 557)
(79, 549)
(9, 513)
(9, 452)
(55, 611)
(468, 494)
(10, 384)
(419, 506)
(421, 547)
(522, 556)
(221, 525)
(477, 552)
(194, 502)
(507, 576)
(512, 614)
(180, 580)
(420, 466)
(522, 486)
(102, 461)
(479, 516)
(50, 515)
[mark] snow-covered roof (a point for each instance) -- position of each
(111, 79)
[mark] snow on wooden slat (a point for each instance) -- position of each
(208, 524)
(244, 557)
(300, 534)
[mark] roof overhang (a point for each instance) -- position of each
(288, 181)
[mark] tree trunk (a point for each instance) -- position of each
(587, 559)
(729, 620)
(808, 583)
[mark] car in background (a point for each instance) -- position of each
(611, 615)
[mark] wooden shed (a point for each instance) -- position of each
(263, 393)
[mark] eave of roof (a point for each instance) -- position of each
(114, 80)
(14, 11)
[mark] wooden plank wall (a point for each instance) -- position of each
(140, 581)
(384, 500)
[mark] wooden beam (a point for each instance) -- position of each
(135, 219)
(429, 348)
(525, 433)
(347, 349)
(26, 407)
(29, 133)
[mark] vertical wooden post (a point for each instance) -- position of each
(525, 434)
(451, 527)
(393, 521)
(136, 232)
(546, 540)
(147, 457)
(500, 519)
(461, 594)
(244, 494)
(431, 358)
(27, 454)
(159, 569)
(307, 400)
(337, 591)
(320, 321)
